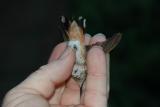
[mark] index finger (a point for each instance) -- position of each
(96, 83)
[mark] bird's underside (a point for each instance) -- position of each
(73, 32)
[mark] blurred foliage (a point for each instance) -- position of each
(135, 62)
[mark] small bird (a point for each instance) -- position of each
(73, 32)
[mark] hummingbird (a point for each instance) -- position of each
(73, 32)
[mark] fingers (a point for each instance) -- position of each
(57, 51)
(44, 80)
(95, 89)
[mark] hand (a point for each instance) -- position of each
(52, 85)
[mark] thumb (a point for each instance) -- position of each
(49, 76)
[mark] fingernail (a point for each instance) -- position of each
(98, 38)
(100, 34)
(88, 35)
(66, 53)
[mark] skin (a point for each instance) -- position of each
(52, 86)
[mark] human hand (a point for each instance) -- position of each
(52, 85)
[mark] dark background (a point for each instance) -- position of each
(29, 31)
